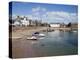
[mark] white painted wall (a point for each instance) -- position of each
(55, 25)
(16, 23)
(24, 22)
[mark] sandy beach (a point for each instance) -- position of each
(23, 32)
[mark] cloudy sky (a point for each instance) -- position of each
(51, 13)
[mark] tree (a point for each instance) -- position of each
(69, 24)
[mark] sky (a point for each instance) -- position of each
(51, 13)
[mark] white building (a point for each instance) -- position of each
(16, 23)
(54, 25)
(25, 22)
(21, 22)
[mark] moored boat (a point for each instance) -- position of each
(32, 38)
(41, 35)
(38, 34)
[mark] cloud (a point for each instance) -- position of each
(41, 13)
(61, 16)
(32, 17)
(54, 16)
(37, 12)
(43, 9)
(37, 9)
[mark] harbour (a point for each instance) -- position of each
(41, 30)
(54, 43)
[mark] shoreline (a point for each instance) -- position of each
(27, 31)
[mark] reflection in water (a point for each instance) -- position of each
(54, 43)
(58, 43)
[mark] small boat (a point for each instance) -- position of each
(32, 38)
(38, 34)
(41, 35)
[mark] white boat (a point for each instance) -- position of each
(38, 34)
(32, 38)
(41, 35)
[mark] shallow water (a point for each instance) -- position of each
(53, 44)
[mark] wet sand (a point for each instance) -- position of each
(23, 48)
(20, 33)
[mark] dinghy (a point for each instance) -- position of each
(32, 38)
(38, 34)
